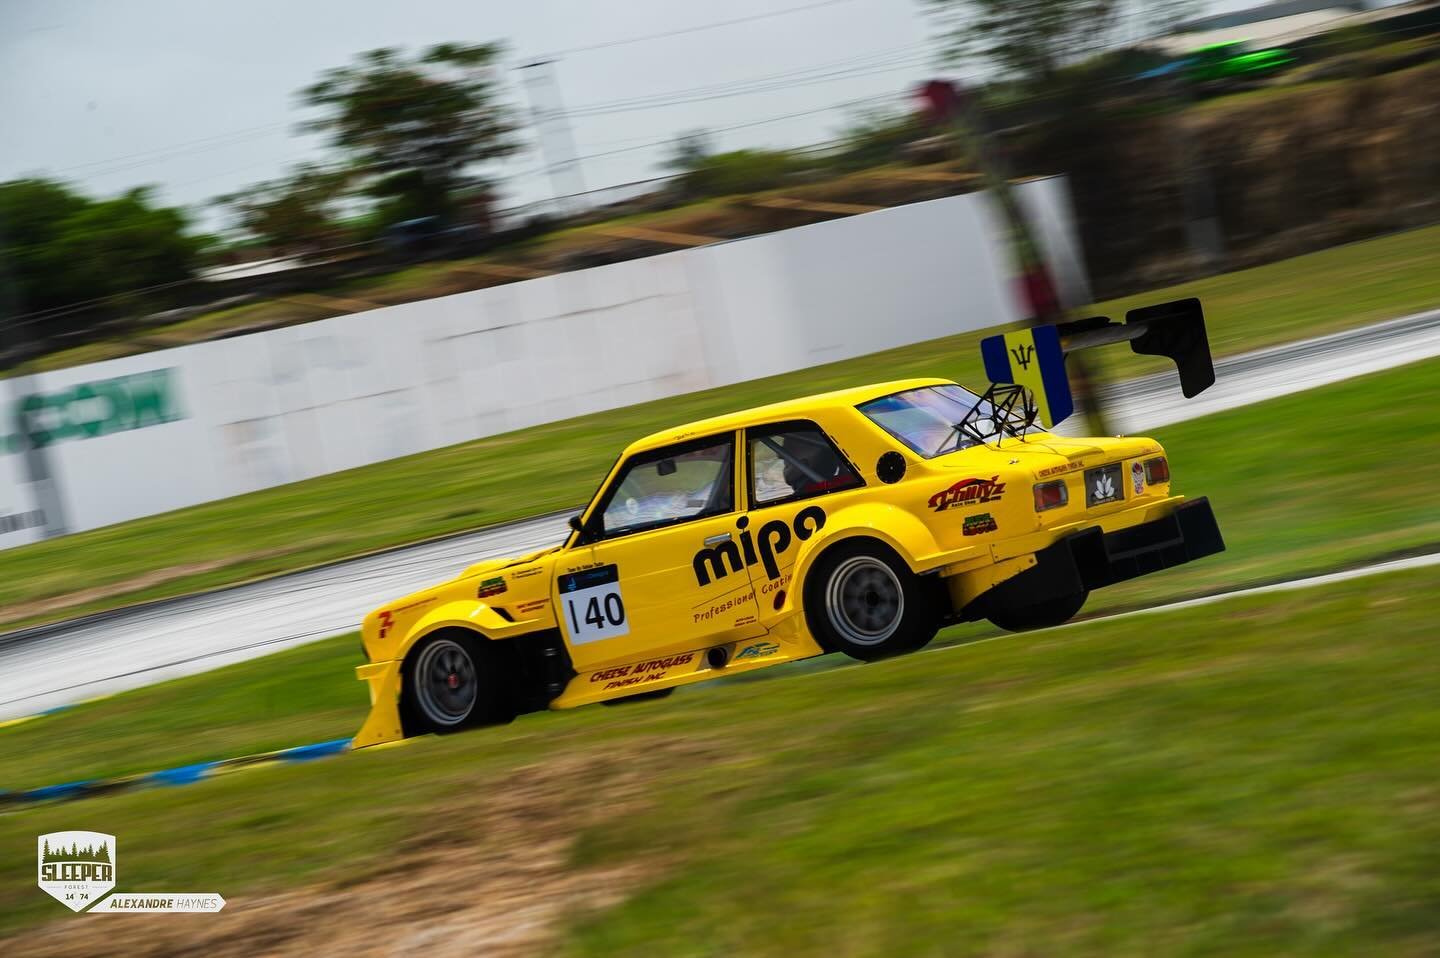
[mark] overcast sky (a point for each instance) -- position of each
(199, 98)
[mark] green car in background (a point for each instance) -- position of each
(1233, 60)
(1222, 67)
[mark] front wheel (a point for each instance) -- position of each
(1038, 615)
(450, 683)
(863, 600)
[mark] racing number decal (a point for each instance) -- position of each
(592, 605)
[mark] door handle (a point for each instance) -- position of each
(716, 540)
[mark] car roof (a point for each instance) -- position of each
(805, 407)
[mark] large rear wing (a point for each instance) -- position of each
(1035, 358)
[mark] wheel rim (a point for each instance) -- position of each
(445, 682)
(865, 600)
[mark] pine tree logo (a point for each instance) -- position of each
(76, 868)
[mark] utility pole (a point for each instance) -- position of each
(557, 142)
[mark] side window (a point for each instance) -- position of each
(795, 461)
(689, 481)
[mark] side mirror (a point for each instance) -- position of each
(582, 528)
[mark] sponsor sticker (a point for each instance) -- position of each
(1137, 477)
(978, 524)
(968, 492)
(651, 670)
(715, 562)
(757, 650)
(593, 607)
(1062, 470)
(77, 869)
(489, 587)
(1103, 484)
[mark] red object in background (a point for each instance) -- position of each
(1038, 292)
(940, 100)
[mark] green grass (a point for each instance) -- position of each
(1254, 777)
(557, 466)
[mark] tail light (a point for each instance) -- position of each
(1157, 470)
(1051, 495)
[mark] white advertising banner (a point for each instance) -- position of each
(146, 434)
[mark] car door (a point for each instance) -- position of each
(793, 469)
(658, 570)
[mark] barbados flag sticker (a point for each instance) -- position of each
(1032, 358)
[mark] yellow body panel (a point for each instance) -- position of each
(968, 517)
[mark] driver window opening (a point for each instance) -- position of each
(672, 485)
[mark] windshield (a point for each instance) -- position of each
(925, 419)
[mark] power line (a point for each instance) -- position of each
(607, 109)
(695, 29)
(159, 152)
(743, 126)
(879, 58)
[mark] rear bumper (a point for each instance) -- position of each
(1092, 558)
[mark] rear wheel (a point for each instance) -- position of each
(863, 600)
(1038, 615)
(451, 683)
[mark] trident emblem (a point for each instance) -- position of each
(1023, 355)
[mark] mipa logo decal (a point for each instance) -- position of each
(76, 868)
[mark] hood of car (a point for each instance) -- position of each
(505, 562)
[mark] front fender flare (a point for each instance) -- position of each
(469, 614)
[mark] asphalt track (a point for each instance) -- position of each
(85, 658)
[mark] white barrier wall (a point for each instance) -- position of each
(146, 434)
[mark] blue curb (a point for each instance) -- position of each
(307, 753)
(170, 777)
(183, 775)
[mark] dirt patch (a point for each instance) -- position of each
(490, 876)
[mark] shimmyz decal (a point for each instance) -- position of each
(968, 492)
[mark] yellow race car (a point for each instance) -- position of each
(857, 521)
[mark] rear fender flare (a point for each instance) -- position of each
(902, 531)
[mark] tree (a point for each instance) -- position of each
(876, 136)
(706, 173)
(689, 151)
(1033, 39)
(414, 129)
(65, 248)
(295, 214)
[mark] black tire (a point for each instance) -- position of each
(1038, 615)
(451, 682)
(862, 599)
